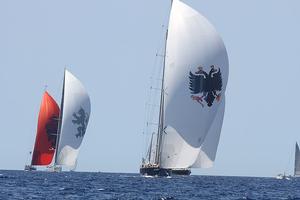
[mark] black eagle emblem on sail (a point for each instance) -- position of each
(209, 85)
(81, 118)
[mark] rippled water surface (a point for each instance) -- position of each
(85, 185)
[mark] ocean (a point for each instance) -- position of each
(92, 185)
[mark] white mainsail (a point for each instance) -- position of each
(75, 111)
(192, 44)
(297, 161)
(208, 149)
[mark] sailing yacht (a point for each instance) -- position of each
(296, 166)
(192, 99)
(45, 141)
(60, 131)
(297, 161)
(75, 113)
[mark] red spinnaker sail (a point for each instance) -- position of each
(45, 141)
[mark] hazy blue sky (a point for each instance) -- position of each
(111, 45)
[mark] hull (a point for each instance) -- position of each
(54, 169)
(184, 172)
(29, 168)
(155, 171)
(283, 177)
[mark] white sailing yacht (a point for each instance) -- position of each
(297, 161)
(296, 166)
(73, 121)
(60, 131)
(192, 102)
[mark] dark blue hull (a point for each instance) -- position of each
(181, 172)
(155, 171)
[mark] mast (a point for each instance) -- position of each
(161, 112)
(160, 130)
(295, 164)
(60, 118)
(295, 159)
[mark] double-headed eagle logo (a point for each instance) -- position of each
(208, 85)
(81, 118)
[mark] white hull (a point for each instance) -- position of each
(29, 168)
(283, 177)
(54, 169)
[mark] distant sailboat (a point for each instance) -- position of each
(296, 166)
(297, 161)
(192, 103)
(45, 142)
(69, 125)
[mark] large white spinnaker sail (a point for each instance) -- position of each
(208, 149)
(75, 111)
(195, 55)
(297, 161)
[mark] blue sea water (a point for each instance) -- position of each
(86, 185)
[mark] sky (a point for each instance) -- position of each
(111, 46)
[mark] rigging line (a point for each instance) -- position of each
(158, 48)
(153, 95)
(160, 129)
(151, 83)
